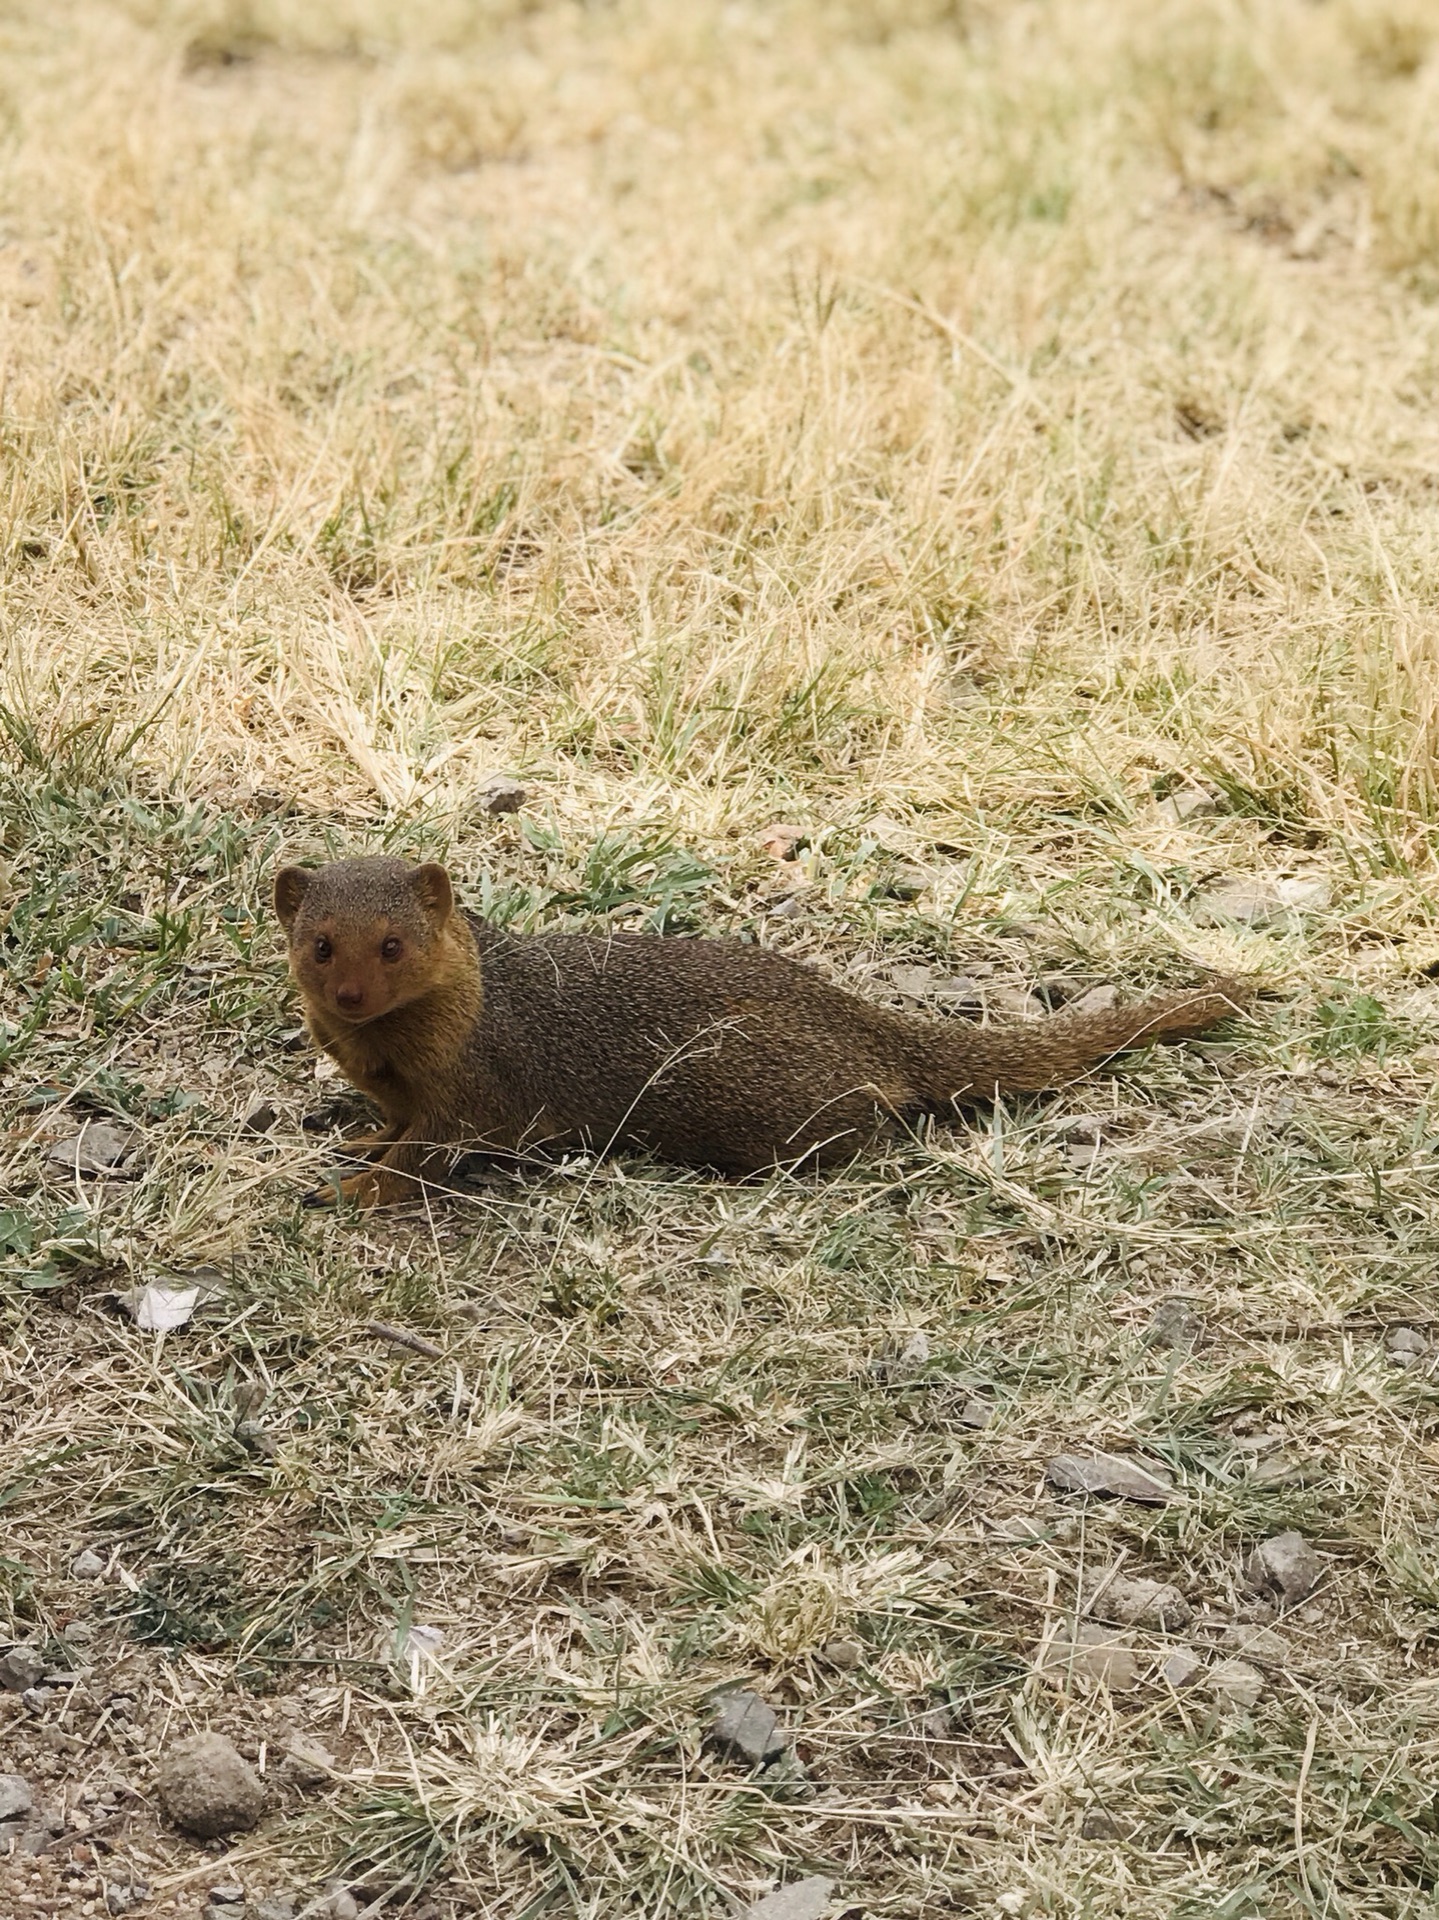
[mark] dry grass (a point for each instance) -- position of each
(950, 426)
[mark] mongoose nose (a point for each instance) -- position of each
(350, 998)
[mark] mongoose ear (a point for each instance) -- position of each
(434, 892)
(290, 885)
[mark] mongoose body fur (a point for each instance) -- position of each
(711, 1053)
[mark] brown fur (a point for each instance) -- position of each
(708, 1052)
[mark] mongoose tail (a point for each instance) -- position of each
(1041, 1054)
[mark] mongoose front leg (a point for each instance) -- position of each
(372, 1145)
(400, 1173)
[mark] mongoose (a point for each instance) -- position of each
(711, 1053)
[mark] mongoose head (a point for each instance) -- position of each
(366, 936)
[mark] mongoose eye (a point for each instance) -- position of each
(323, 950)
(390, 949)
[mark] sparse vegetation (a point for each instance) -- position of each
(998, 440)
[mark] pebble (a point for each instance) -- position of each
(207, 1788)
(15, 1796)
(279, 1906)
(1255, 903)
(311, 1765)
(1261, 1645)
(228, 1894)
(122, 1896)
(343, 1905)
(976, 1414)
(1236, 1684)
(87, 1565)
(800, 1900)
(1181, 1667)
(1096, 1654)
(20, 1669)
(500, 794)
(1109, 1473)
(259, 1119)
(1175, 1323)
(1187, 803)
(96, 1150)
(1406, 1347)
(1097, 1825)
(1021, 1529)
(1286, 1568)
(845, 1654)
(1127, 1601)
(747, 1728)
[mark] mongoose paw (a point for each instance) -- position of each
(356, 1189)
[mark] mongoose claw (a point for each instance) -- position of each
(357, 1188)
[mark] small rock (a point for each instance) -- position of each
(35, 1700)
(1097, 1000)
(1255, 903)
(15, 1796)
(976, 1414)
(1098, 1825)
(342, 1905)
(913, 982)
(1022, 1529)
(99, 1150)
(257, 1440)
(800, 1900)
(1181, 1667)
(123, 1896)
(1406, 1347)
(1188, 803)
(1175, 1323)
(1277, 1470)
(902, 882)
(1095, 1654)
(21, 1668)
(207, 1788)
(311, 1765)
(500, 794)
(1127, 1601)
(747, 1728)
(1110, 1473)
(781, 841)
(845, 1654)
(278, 1906)
(163, 1309)
(1285, 1568)
(87, 1565)
(1259, 1645)
(915, 1352)
(790, 908)
(1234, 1683)
(228, 1894)
(1014, 1003)
(259, 1119)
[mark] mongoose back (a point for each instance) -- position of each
(712, 1053)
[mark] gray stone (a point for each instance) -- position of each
(35, 1700)
(1181, 1668)
(1021, 1530)
(1094, 1653)
(800, 1900)
(1133, 1601)
(1255, 903)
(1262, 1646)
(15, 1796)
(1175, 1323)
(500, 794)
(845, 1654)
(747, 1728)
(260, 1119)
(124, 1896)
(1406, 1347)
(342, 1905)
(976, 1414)
(20, 1669)
(1188, 803)
(1285, 1568)
(1234, 1683)
(311, 1765)
(207, 1788)
(279, 1906)
(1109, 1473)
(96, 1151)
(1098, 1825)
(87, 1565)
(228, 1894)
